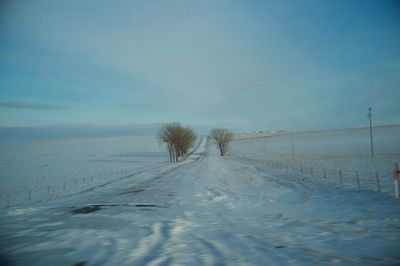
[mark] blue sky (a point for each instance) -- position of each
(241, 64)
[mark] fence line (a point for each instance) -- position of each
(66, 187)
(354, 179)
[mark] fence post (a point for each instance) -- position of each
(312, 173)
(301, 171)
(341, 177)
(396, 180)
(358, 180)
(378, 184)
(325, 176)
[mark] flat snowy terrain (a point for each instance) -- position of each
(53, 167)
(207, 210)
(328, 154)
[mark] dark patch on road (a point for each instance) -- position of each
(81, 263)
(132, 191)
(87, 209)
(97, 207)
(146, 205)
(5, 261)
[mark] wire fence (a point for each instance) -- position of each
(46, 188)
(351, 179)
(341, 157)
(68, 186)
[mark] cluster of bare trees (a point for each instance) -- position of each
(222, 137)
(178, 139)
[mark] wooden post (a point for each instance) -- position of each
(341, 177)
(325, 176)
(311, 172)
(370, 130)
(358, 180)
(396, 176)
(378, 183)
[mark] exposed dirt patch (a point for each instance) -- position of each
(81, 263)
(132, 191)
(86, 209)
(96, 207)
(146, 205)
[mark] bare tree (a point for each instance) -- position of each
(222, 138)
(178, 139)
(186, 139)
(165, 135)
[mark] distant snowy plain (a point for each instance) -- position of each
(36, 165)
(206, 210)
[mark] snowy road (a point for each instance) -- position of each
(207, 210)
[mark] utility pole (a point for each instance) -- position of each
(370, 130)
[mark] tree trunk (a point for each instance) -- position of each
(176, 155)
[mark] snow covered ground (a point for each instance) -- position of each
(207, 210)
(347, 151)
(33, 170)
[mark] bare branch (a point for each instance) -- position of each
(222, 137)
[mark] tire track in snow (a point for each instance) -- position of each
(220, 212)
(150, 247)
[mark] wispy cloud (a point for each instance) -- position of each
(30, 105)
(269, 64)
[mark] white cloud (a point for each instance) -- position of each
(31, 106)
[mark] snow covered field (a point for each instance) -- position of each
(207, 210)
(53, 167)
(328, 152)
